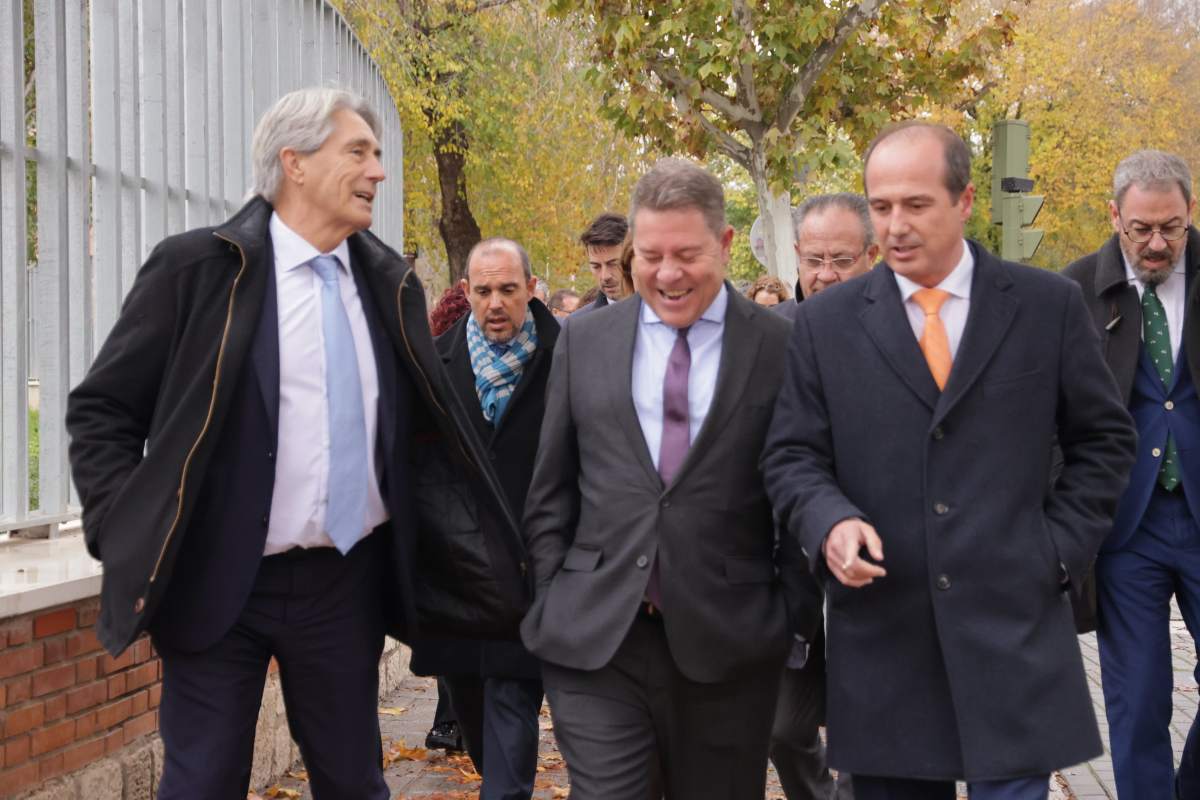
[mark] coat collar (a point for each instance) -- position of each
(1110, 265)
(455, 355)
(992, 312)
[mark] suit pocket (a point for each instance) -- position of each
(582, 559)
(1013, 383)
(749, 570)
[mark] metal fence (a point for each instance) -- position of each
(140, 127)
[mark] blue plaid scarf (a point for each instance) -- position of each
(496, 376)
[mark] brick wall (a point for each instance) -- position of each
(78, 724)
(64, 702)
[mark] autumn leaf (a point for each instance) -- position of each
(281, 792)
(400, 751)
(393, 711)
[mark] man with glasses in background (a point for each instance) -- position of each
(834, 243)
(1141, 288)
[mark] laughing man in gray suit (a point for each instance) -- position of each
(657, 607)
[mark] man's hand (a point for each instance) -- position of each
(841, 548)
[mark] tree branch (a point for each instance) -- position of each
(821, 57)
(478, 6)
(741, 12)
(680, 84)
(730, 146)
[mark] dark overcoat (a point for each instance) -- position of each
(511, 447)
(146, 418)
(963, 661)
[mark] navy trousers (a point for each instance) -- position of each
(870, 788)
(1134, 588)
(321, 616)
(498, 718)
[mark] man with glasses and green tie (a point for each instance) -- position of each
(1141, 288)
(834, 243)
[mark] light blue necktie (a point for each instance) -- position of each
(347, 508)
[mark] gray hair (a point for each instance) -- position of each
(674, 183)
(848, 201)
(1152, 169)
(301, 120)
(495, 243)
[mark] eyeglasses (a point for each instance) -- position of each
(837, 263)
(1140, 234)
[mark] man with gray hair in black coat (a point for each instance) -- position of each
(269, 461)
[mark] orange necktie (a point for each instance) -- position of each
(934, 343)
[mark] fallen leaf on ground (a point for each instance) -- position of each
(298, 774)
(279, 791)
(560, 791)
(402, 752)
(393, 711)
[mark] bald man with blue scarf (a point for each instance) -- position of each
(498, 360)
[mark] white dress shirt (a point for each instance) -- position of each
(651, 350)
(302, 456)
(954, 310)
(1173, 294)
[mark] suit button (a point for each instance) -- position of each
(642, 561)
(938, 433)
(1169, 405)
(940, 509)
(943, 582)
(266, 520)
(139, 605)
(665, 504)
(492, 455)
(1156, 452)
(270, 455)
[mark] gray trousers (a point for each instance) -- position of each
(638, 729)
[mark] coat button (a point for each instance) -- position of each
(492, 455)
(266, 520)
(943, 582)
(642, 561)
(1156, 452)
(139, 605)
(665, 504)
(1169, 405)
(940, 509)
(938, 433)
(270, 455)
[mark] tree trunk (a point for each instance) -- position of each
(776, 213)
(456, 224)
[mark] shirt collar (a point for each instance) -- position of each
(715, 313)
(957, 283)
(292, 250)
(1131, 278)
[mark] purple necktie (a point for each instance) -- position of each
(676, 431)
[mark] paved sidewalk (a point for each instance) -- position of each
(413, 772)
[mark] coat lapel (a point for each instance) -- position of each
(991, 314)
(264, 352)
(618, 370)
(457, 360)
(1121, 324)
(739, 351)
(887, 324)
(1191, 310)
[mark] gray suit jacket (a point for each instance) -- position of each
(597, 513)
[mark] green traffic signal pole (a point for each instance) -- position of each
(1012, 208)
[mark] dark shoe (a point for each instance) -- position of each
(445, 737)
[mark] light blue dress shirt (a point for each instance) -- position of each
(651, 350)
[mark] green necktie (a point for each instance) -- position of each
(1157, 336)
